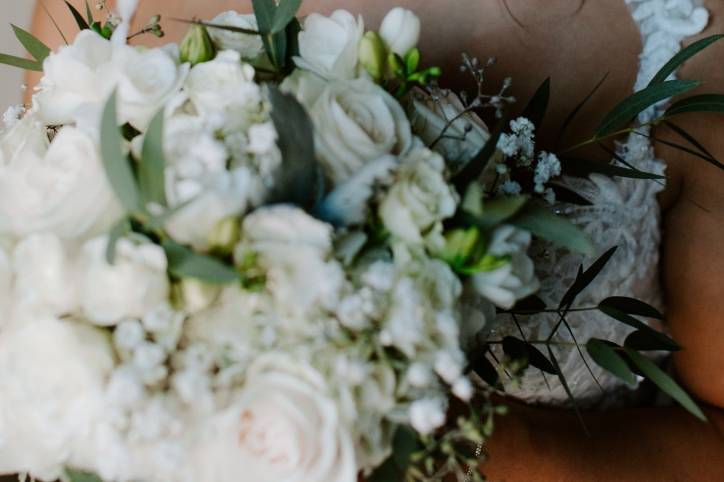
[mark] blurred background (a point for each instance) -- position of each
(18, 12)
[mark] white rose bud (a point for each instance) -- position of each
(328, 46)
(132, 287)
(400, 29)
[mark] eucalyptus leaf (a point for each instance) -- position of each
(77, 476)
(546, 225)
(21, 63)
(185, 263)
(89, 13)
(665, 383)
(605, 355)
(480, 364)
(151, 169)
(35, 47)
(264, 11)
(538, 360)
(585, 278)
(576, 110)
(82, 23)
(529, 306)
(628, 109)
(711, 103)
(497, 211)
(300, 180)
(118, 169)
(118, 231)
(284, 13)
(387, 472)
(645, 340)
(536, 109)
(633, 306)
(629, 320)
(404, 444)
(685, 54)
(275, 46)
(583, 167)
(690, 139)
(515, 349)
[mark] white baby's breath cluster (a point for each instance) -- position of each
(345, 322)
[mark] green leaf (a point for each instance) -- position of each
(538, 360)
(300, 180)
(89, 13)
(515, 349)
(185, 263)
(665, 383)
(536, 109)
(118, 231)
(685, 54)
(151, 170)
(404, 444)
(646, 340)
(605, 355)
(82, 23)
(497, 211)
(264, 11)
(387, 472)
(576, 110)
(690, 139)
(275, 46)
(285, 12)
(293, 30)
(585, 278)
(583, 167)
(475, 167)
(35, 47)
(566, 387)
(21, 63)
(77, 476)
(531, 305)
(629, 320)
(546, 225)
(633, 307)
(118, 169)
(480, 364)
(711, 103)
(628, 109)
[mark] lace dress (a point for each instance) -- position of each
(623, 213)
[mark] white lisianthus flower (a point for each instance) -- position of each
(136, 284)
(283, 426)
(44, 275)
(329, 46)
(52, 376)
(49, 191)
(400, 30)
(249, 46)
(513, 281)
(295, 249)
(357, 122)
(441, 121)
(420, 199)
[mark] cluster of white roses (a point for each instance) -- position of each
(125, 371)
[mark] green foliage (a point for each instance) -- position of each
(536, 109)
(583, 167)
(121, 229)
(712, 103)
(623, 312)
(117, 166)
(152, 166)
(185, 263)
(685, 54)
(546, 225)
(25, 64)
(585, 278)
(499, 210)
(79, 20)
(605, 355)
(576, 110)
(77, 476)
(276, 23)
(35, 47)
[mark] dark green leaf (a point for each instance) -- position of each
(20, 62)
(536, 109)
(569, 196)
(404, 444)
(82, 23)
(264, 12)
(682, 57)
(185, 263)
(574, 113)
(77, 476)
(300, 180)
(480, 364)
(646, 340)
(689, 138)
(665, 383)
(529, 306)
(118, 169)
(89, 13)
(118, 231)
(712, 103)
(35, 47)
(151, 169)
(473, 169)
(538, 360)
(628, 109)
(546, 225)
(583, 167)
(629, 320)
(387, 472)
(566, 387)
(585, 278)
(685, 149)
(606, 356)
(284, 13)
(293, 30)
(633, 307)
(515, 349)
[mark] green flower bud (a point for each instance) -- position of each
(460, 247)
(197, 46)
(225, 235)
(372, 55)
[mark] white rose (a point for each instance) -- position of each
(52, 375)
(147, 79)
(329, 46)
(513, 281)
(357, 122)
(45, 275)
(400, 30)
(294, 248)
(305, 86)
(441, 121)
(136, 284)
(420, 199)
(249, 46)
(76, 76)
(6, 279)
(63, 191)
(284, 426)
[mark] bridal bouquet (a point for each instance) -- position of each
(274, 252)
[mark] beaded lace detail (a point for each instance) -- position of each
(623, 213)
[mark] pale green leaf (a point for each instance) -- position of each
(499, 210)
(77, 476)
(546, 225)
(118, 231)
(185, 263)
(151, 170)
(35, 47)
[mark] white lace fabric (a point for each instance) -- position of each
(623, 213)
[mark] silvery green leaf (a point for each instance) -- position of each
(118, 169)
(185, 263)
(546, 225)
(35, 47)
(151, 169)
(121, 228)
